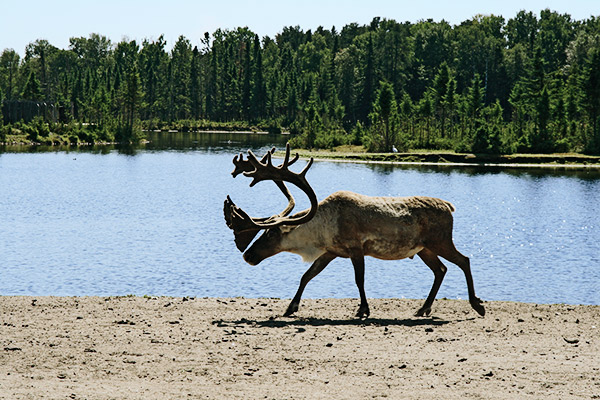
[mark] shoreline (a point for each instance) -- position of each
(467, 165)
(277, 300)
(165, 347)
(348, 154)
(447, 159)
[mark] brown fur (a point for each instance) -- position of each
(352, 225)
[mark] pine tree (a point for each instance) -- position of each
(366, 100)
(246, 92)
(151, 58)
(560, 116)
(475, 97)
(9, 71)
(450, 102)
(440, 88)
(211, 93)
(292, 104)
(32, 90)
(384, 118)
(259, 94)
(77, 95)
(406, 113)
(519, 103)
(181, 63)
(537, 74)
(195, 89)
(540, 142)
(426, 111)
(591, 89)
(132, 95)
(477, 127)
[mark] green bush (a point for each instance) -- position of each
(31, 132)
(105, 135)
(298, 141)
(41, 126)
(357, 133)
(331, 139)
(462, 146)
(562, 145)
(439, 143)
(4, 131)
(372, 143)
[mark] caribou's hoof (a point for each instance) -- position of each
(292, 308)
(478, 307)
(363, 312)
(423, 311)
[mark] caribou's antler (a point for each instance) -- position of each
(263, 170)
(242, 166)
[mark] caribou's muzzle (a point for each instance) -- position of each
(251, 258)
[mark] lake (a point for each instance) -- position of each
(149, 221)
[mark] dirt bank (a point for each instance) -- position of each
(174, 348)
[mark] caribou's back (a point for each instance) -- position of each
(389, 228)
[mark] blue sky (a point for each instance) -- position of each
(22, 22)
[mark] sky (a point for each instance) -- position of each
(23, 22)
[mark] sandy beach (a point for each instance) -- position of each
(218, 348)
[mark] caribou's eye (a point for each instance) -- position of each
(274, 232)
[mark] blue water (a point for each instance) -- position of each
(150, 222)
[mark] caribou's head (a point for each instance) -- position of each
(245, 228)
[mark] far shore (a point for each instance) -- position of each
(357, 154)
(558, 161)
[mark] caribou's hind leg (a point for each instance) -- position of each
(314, 270)
(447, 250)
(454, 256)
(439, 270)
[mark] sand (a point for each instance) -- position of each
(181, 348)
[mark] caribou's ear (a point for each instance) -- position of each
(243, 239)
(243, 235)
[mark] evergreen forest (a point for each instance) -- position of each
(527, 84)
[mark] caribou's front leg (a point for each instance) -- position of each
(358, 261)
(314, 270)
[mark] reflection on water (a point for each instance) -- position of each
(585, 174)
(218, 142)
(157, 141)
(148, 220)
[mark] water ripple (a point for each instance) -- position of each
(110, 224)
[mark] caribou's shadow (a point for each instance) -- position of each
(300, 322)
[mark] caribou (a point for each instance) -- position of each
(347, 225)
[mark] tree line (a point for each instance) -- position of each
(489, 85)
